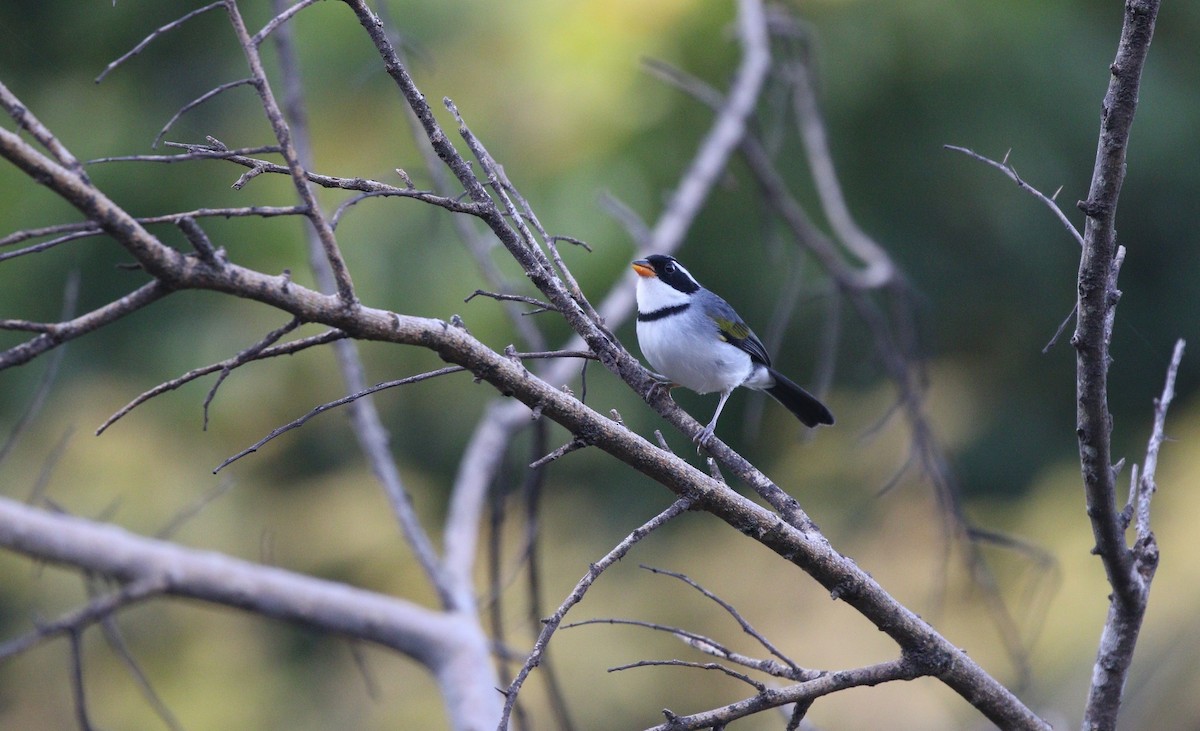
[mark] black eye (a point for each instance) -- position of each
(669, 268)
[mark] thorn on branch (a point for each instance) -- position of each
(1004, 167)
(575, 444)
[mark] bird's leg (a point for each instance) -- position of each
(704, 435)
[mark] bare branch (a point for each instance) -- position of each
(279, 19)
(726, 134)
(1007, 168)
(372, 437)
(551, 624)
(1147, 485)
(334, 404)
(31, 124)
(1128, 572)
(245, 356)
(345, 287)
(195, 103)
(441, 641)
(62, 332)
(541, 305)
(286, 349)
(732, 611)
(832, 682)
(757, 685)
(95, 610)
(150, 38)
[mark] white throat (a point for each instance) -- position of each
(653, 294)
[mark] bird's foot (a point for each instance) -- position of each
(703, 437)
(661, 383)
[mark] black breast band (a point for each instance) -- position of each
(664, 312)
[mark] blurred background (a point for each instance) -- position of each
(559, 94)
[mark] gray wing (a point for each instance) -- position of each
(732, 329)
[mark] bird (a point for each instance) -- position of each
(695, 339)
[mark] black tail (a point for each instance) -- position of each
(803, 404)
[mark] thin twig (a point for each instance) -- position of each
(195, 103)
(1007, 168)
(31, 124)
(70, 300)
(552, 623)
(157, 32)
(731, 610)
(757, 685)
(68, 330)
(75, 621)
(245, 356)
(541, 305)
(286, 349)
(116, 641)
(827, 683)
(279, 19)
(194, 151)
(45, 245)
(296, 423)
(1147, 484)
(1061, 329)
(708, 646)
(296, 168)
(78, 691)
(571, 446)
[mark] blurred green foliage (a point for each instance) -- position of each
(557, 93)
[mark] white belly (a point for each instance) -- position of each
(694, 360)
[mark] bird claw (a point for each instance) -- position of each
(661, 382)
(703, 437)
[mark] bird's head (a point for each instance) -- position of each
(666, 270)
